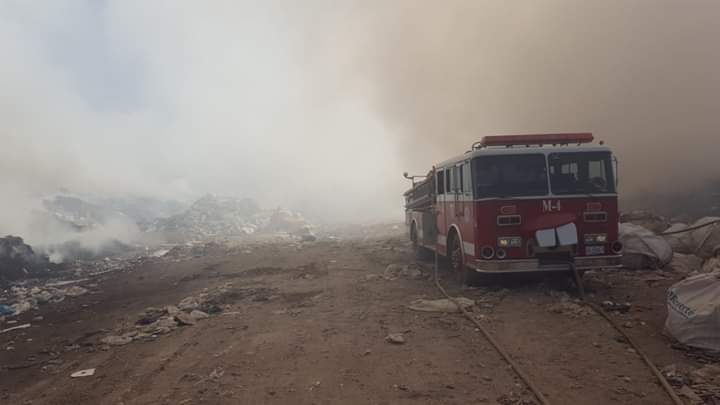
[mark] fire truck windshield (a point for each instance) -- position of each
(510, 176)
(581, 173)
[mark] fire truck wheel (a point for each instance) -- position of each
(456, 260)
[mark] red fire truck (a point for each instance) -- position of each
(520, 203)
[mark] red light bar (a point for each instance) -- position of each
(539, 139)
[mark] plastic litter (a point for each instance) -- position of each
(6, 310)
(23, 326)
(83, 373)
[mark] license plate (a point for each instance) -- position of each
(594, 250)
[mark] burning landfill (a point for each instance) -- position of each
(147, 279)
(202, 202)
(31, 278)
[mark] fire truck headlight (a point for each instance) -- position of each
(509, 241)
(595, 239)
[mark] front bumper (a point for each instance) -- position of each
(533, 265)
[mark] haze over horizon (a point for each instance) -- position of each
(324, 104)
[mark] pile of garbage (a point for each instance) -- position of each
(19, 261)
(22, 299)
(154, 322)
(698, 386)
(652, 243)
(214, 217)
(79, 214)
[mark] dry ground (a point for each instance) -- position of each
(316, 335)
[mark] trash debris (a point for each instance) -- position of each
(83, 373)
(184, 319)
(198, 315)
(6, 310)
(688, 393)
(570, 308)
(305, 234)
(23, 326)
(215, 217)
(116, 340)
(643, 249)
(673, 375)
(693, 310)
(395, 271)
(700, 386)
(189, 304)
(22, 306)
(708, 374)
(75, 291)
(395, 338)
(440, 305)
(217, 373)
(621, 307)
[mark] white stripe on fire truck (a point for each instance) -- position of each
(469, 248)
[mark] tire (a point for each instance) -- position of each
(456, 261)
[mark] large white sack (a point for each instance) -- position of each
(680, 242)
(709, 234)
(643, 249)
(694, 311)
(712, 264)
(686, 264)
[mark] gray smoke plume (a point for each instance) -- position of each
(641, 75)
(322, 104)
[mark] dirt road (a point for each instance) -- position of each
(307, 324)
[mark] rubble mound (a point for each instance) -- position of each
(211, 217)
(79, 214)
(18, 260)
(219, 218)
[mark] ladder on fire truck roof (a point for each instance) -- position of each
(509, 141)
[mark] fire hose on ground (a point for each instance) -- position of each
(661, 378)
(523, 376)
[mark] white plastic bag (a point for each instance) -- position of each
(643, 249)
(694, 311)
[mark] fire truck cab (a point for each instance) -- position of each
(520, 203)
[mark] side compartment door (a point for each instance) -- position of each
(441, 186)
(467, 221)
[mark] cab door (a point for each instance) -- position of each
(442, 194)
